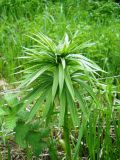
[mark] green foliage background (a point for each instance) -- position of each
(97, 21)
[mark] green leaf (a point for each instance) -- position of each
(10, 122)
(35, 92)
(41, 43)
(37, 105)
(53, 150)
(11, 99)
(49, 114)
(66, 41)
(81, 102)
(27, 135)
(2, 112)
(89, 90)
(37, 74)
(62, 108)
(55, 84)
(69, 85)
(72, 109)
(80, 135)
(61, 77)
(44, 132)
(21, 131)
(47, 105)
(36, 142)
(48, 41)
(63, 62)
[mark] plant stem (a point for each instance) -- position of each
(67, 136)
(9, 153)
(29, 153)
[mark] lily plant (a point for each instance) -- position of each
(58, 71)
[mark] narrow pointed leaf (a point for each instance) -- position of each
(37, 106)
(55, 84)
(47, 105)
(81, 102)
(80, 135)
(62, 108)
(72, 109)
(61, 78)
(63, 62)
(66, 40)
(89, 90)
(69, 84)
(37, 75)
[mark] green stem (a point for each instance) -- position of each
(28, 153)
(9, 149)
(67, 136)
